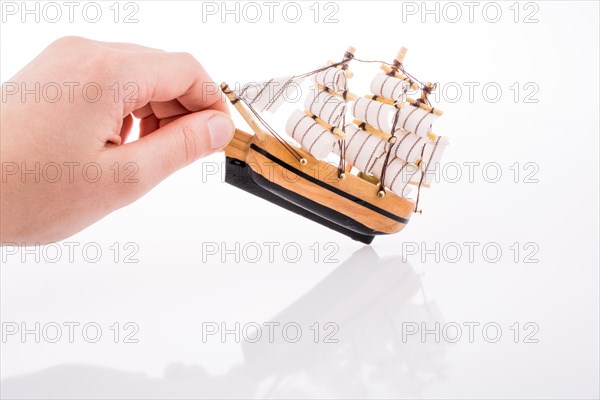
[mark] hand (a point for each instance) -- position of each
(65, 119)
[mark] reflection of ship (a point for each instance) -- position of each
(370, 359)
(389, 145)
(369, 305)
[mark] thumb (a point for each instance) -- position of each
(178, 144)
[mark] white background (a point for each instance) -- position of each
(371, 294)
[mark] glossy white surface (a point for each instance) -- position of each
(369, 295)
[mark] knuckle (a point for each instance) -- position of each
(189, 59)
(94, 62)
(189, 145)
(69, 41)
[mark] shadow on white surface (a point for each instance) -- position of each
(368, 298)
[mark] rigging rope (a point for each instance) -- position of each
(342, 165)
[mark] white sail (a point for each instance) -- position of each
(269, 95)
(389, 87)
(333, 78)
(362, 148)
(409, 157)
(430, 162)
(414, 157)
(381, 116)
(367, 153)
(375, 113)
(411, 172)
(325, 106)
(416, 120)
(408, 146)
(397, 175)
(312, 137)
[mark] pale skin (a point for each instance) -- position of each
(181, 119)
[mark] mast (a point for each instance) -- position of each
(233, 98)
(389, 140)
(391, 136)
(320, 125)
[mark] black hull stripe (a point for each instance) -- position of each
(240, 175)
(328, 187)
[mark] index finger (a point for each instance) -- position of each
(162, 76)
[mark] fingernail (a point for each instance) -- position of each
(220, 129)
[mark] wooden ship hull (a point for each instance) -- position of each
(350, 206)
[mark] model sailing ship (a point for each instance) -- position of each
(386, 149)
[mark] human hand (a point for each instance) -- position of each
(64, 160)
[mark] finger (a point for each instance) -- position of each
(125, 46)
(167, 109)
(149, 125)
(173, 76)
(176, 145)
(143, 112)
(166, 121)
